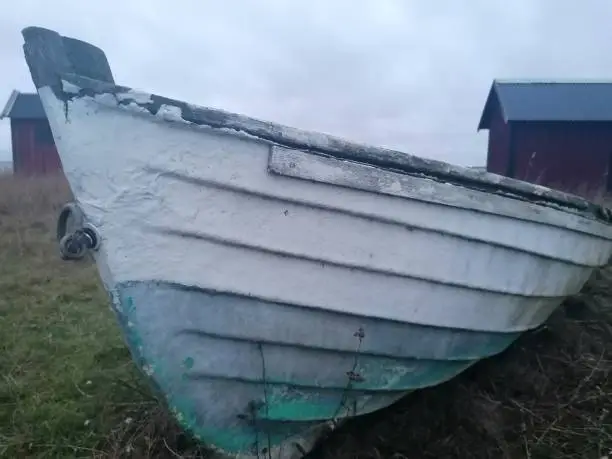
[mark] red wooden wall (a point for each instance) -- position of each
(498, 154)
(34, 151)
(575, 157)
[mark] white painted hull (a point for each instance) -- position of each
(194, 207)
(276, 233)
(250, 232)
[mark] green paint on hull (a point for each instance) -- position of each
(286, 409)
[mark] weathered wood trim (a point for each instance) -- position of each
(9, 104)
(511, 165)
(329, 170)
(15, 127)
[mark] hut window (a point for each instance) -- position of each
(42, 133)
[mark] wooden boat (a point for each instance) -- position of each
(272, 281)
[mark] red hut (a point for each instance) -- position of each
(555, 134)
(34, 151)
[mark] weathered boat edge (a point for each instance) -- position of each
(53, 58)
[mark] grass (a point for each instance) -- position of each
(68, 387)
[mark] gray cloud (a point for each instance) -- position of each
(407, 75)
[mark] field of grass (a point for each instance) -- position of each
(68, 387)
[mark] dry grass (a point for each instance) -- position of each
(69, 388)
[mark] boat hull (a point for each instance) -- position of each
(269, 290)
(263, 305)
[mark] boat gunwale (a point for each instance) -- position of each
(53, 58)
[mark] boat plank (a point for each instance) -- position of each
(325, 169)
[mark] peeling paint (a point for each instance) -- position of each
(138, 97)
(170, 113)
(148, 369)
(188, 363)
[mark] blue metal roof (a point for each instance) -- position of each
(23, 106)
(549, 101)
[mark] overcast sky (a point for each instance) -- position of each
(411, 75)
